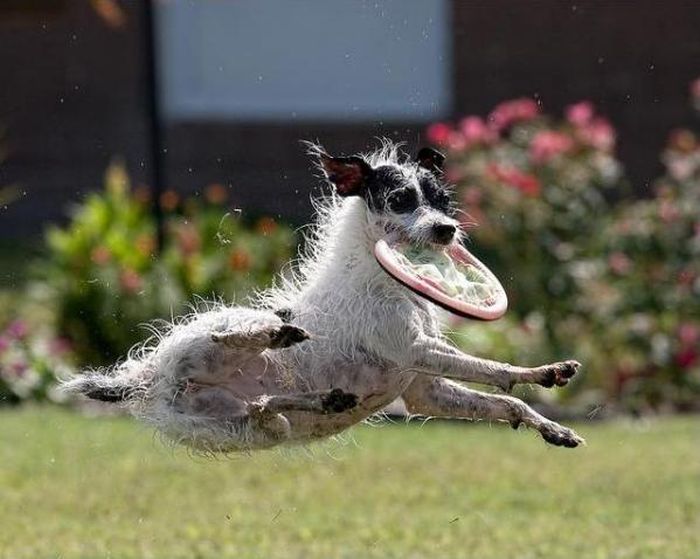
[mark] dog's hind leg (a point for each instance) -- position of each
(321, 402)
(439, 397)
(266, 337)
(211, 418)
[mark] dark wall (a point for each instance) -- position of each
(72, 97)
(633, 59)
(70, 100)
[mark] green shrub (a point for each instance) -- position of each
(104, 280)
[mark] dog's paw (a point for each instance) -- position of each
(557, 374)
(338, 401)
(558, 435)
(287, 335)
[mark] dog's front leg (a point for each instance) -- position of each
(435, 357)
(439, 397)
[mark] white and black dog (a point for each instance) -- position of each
(335, 341)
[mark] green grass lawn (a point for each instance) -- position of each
(73, 486)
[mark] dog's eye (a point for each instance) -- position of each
(403, 201)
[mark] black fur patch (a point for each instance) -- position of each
(338, 401)
(388, 190)
(436, 194)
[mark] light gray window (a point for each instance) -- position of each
(304, 59)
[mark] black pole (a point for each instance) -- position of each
(153, 116)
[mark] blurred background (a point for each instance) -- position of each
(241, 82)
(150, 155)
(158, 144)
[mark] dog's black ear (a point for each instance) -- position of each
(348, 174)
(430, 159)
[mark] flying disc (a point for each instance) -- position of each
(450, 277)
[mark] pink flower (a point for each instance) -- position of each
(130, 280)
(686, 357)
(548, 144)
(695, 89)
(18, 368)
(456, 141)
(688, 334)
(4, 343)
(59, 346)
(438, 133)
(682, 140)
(580, 114)
(526, 183)
(668, 211)
(475, 131)
(188, 239)
(686, 277)
(680, 168)
(695, 93)
(17, 330)
(509, 112)
(598, 134)
(619, 263)
(100, 255)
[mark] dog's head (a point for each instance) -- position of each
(408, 198)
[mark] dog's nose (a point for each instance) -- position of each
(444, 233)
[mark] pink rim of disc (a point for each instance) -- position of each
(387, 259)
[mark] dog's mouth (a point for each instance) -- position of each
(449, 276)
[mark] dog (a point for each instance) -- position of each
(332, 342)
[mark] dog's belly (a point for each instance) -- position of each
(375, 387)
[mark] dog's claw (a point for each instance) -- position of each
(274, 338)
(569, 368)
(338, 401)
(558, 374)
(558, 435)
(287, 335)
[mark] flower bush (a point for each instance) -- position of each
(104, 281)
(651, 320)
(30, 364)
(537, 188)
(617, 286)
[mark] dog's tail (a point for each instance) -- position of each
(108, 386)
